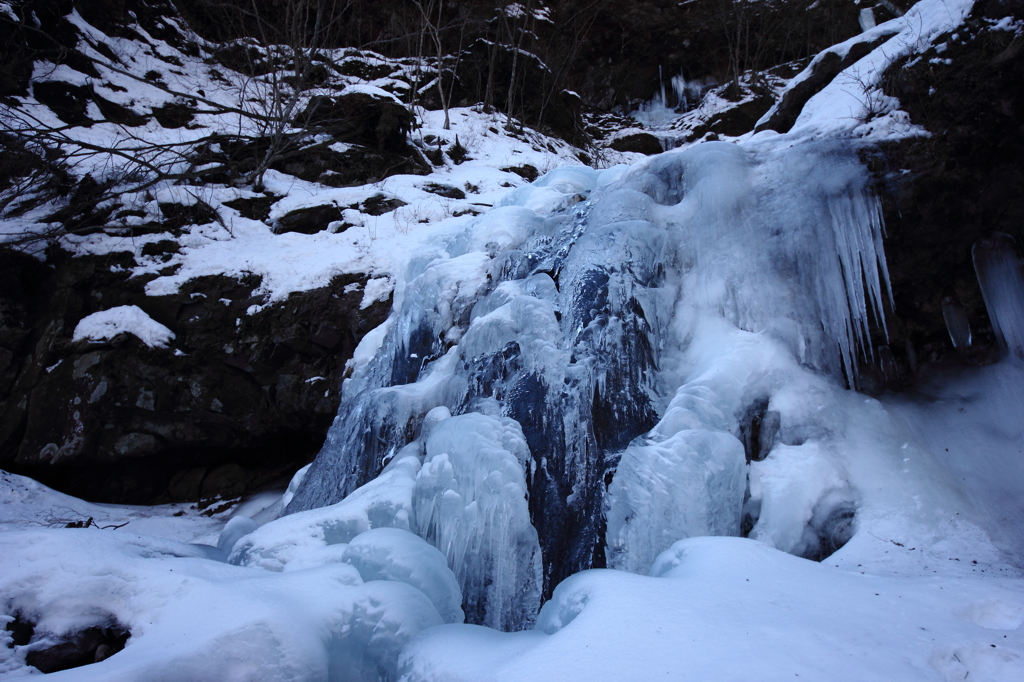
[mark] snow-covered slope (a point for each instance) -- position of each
(153, 79)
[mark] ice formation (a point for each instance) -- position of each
(470, 502)
(599, 338)
(1000, 271)
(663, 108)
(955, 317)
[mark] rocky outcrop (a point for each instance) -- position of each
(50, 653)
(360, 118)
(43, 32)
(946, 191)
(640, 142)
(822, 71)
(236, 400)
(76, 649)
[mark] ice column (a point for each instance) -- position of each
(384, 401)
(957, 324)
(1000, 272)
(684, 478)
(470, 503)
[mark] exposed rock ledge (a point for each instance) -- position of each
(234, 402)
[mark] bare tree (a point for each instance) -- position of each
(47, 163)
(432, 23)
(564, 45)
(295, 36)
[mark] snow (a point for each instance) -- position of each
(309, 538)
(791, 618)
(392, 554)
(27, 504)
(376, 245)
(364, 89)
(377, 289)
(106, 324)
(192, 618)
(851, 102)
(293, 485)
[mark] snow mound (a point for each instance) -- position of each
(130, 319)
(796, 619)
(195, 619)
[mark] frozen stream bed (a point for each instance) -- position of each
(928, 588)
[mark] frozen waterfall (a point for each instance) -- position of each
(599, 339)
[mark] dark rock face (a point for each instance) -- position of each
(70, 103)
(947, 191)
(308, 220)
(630, 42)
(738, 119)
(520, 84)
(374, 130)
(174, 114)
(21, 630)
(180, 215)
(758, 428)
(359, 118)
(448, 191)
(318, 218)
(526, 171)
(235, 401)
(73, 650)
(254, 208)
(43, 32)
(67, 102)
(644, 143)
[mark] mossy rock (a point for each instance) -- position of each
(308, 220)
(446, 191)
(253, 208)
(642, 143)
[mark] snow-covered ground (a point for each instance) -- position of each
(929, 585)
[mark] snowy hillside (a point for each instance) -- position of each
(650, 417)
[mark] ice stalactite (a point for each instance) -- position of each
(957, 324)
(1000, 270)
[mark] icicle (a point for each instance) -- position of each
(887, 361)
(857, 228)
(679, 88)
(957, 325)
(1000, 271)
(470, 503)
